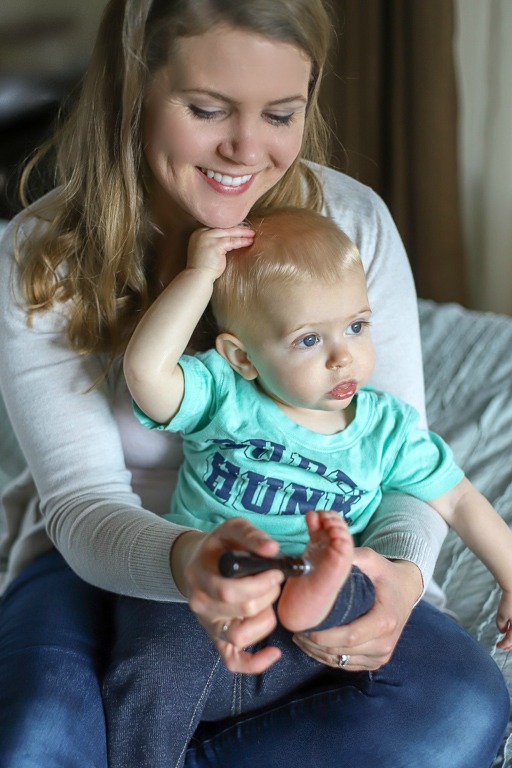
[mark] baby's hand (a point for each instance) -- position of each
(504, 620)
(207, 248)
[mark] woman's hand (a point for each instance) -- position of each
(236, 613)
(369, 641)
(504, 620)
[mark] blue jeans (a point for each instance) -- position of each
(161, 647)
(440, 703)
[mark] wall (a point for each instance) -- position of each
(47, 37)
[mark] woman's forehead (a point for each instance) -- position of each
(229, 55)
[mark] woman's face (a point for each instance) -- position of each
(223, 121)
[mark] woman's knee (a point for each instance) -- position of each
(456, 685)
(54, 640)
(440, 703)
(51, 713)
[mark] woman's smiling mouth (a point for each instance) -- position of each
(225, 179)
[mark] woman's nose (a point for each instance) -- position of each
(243, 144)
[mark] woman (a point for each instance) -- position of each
(191, 113)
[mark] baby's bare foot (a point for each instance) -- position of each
(306, 600)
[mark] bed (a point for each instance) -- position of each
(468, 374)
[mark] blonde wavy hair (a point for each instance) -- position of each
(96, 252)
(292, 246)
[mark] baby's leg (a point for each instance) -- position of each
(306, 600)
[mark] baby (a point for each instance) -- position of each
(278, 422)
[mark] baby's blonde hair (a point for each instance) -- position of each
(292, 245)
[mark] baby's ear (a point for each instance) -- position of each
(231, 348)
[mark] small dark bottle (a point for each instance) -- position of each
(234, 564)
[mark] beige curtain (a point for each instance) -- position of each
(483, 56)
(392, 98)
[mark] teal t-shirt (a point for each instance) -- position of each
(244, 457)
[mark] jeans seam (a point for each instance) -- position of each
(351, 598)
(236, 702)
(200, 701)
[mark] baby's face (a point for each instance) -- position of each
(311, 344)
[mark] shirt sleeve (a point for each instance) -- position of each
(205, 388)
(199, 399)
(70, 440)
(423, 467)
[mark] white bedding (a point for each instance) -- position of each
(468, 373)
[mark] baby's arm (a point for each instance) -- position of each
(488, 536)
(151, 360)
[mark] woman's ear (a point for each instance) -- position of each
(232, 350)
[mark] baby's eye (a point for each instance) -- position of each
(354, 329)
(308, 341)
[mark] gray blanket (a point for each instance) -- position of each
(468, 375)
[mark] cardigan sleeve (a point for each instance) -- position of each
(70, 440)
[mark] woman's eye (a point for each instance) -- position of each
(309, 341)
(203, 114)
(280, 119)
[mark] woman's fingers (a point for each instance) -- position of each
(236, 613)
(237, 598)
(238, 660)
(370, 640)
(234, 636)
(332, 657)
(210, 595)
(241, 632)
(365, 654)
(244, 632)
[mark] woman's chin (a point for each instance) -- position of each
(224, 219)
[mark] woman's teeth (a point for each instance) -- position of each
(228, 181)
